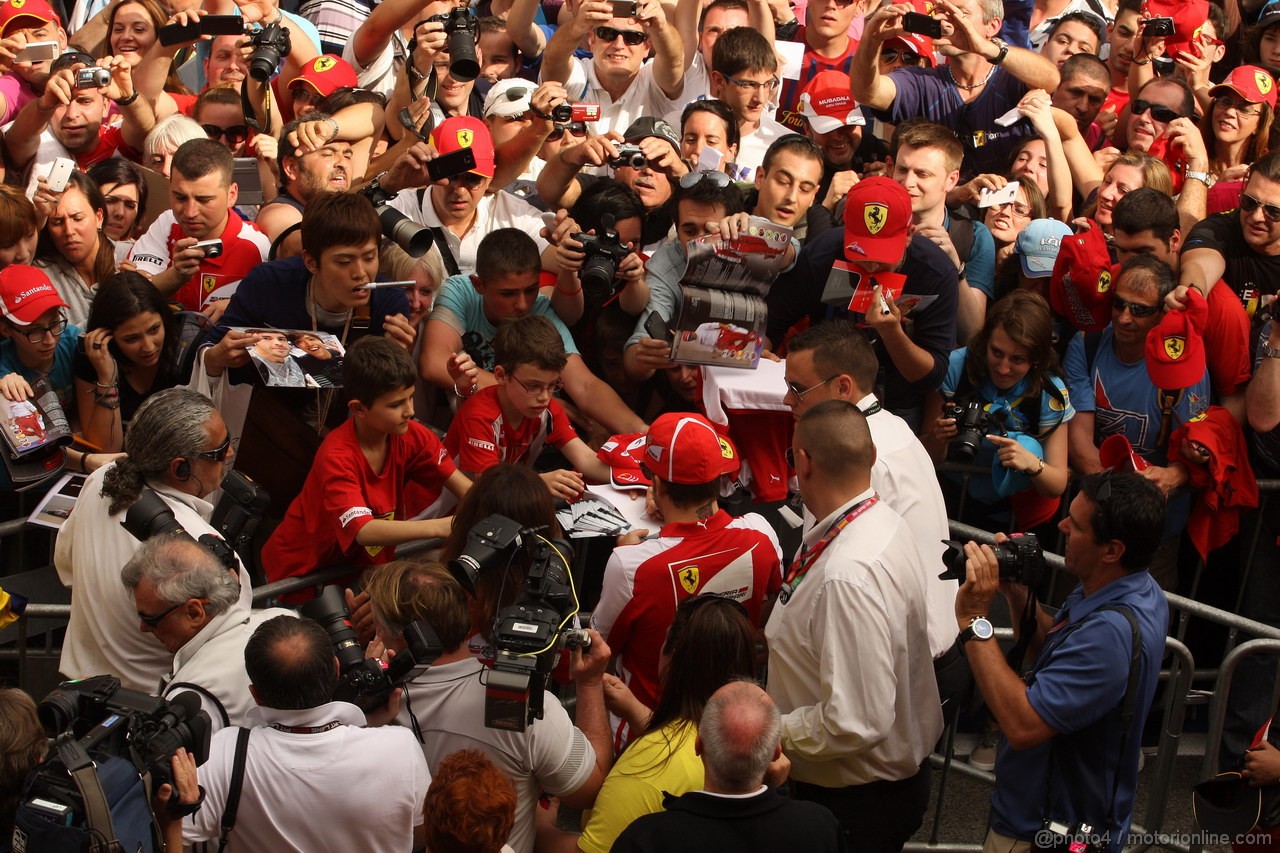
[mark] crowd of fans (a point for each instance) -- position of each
(356, 249)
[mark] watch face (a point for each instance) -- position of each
(982, 629)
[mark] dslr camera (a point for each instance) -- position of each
(235, 517)
(270, 45)
(411, 236)
(1021, 560)
(461, 30)
(973, 424)
(363, 681)
(628, 155)
(604, 251)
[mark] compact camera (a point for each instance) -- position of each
(628, 155)
(92, 78)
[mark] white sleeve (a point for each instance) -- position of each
(563, 758)
(150, 253)
(615, 591)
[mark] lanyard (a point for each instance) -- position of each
(805, 560)
(305, 730)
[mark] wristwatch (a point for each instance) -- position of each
(980, 628)
(1202, 177)
(1004, 51)
(1270, 352)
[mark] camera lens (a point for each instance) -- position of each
(411, 236)
(597, 277)
(562, 113)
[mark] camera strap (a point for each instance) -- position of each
(233, 792)
(97, 811)
(442, 242)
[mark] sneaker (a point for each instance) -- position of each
(983, 756)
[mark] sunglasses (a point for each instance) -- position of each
(893, 55)
(1244, 108)
(798, 392)
(154, 621)
(692, 179)
(235, 134)
(1139, 311)
(633, 38)
(220, 452)
(1158, 112)
(575, 128)
(1249, 204)
(470, 180)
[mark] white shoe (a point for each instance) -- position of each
(983, 756)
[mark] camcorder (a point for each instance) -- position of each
(1020, 558)
(111, 748)
(529, 634)
(270, 45)
(565, 113)
(413, 237)
(363, 681)
(973, 424)
(461, 30)
(604, 251)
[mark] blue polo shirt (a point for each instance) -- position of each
(1077, 688)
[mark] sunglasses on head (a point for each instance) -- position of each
(235, 134)
(1119, 305)
(692, 179)
(573, 128)
(1249, 204)
(1158, 112)
(630, 37)
(893, 54)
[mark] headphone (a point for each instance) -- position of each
(183, 471)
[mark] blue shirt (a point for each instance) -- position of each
(980, 267)
(61, 379)
(1077, 688)
(461, 306)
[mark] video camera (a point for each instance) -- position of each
(528, 634)
(973, 423)
(604, 250)
(362, 681)
(461, 29)
(414, 237)
(235, 517)
(1021, 560)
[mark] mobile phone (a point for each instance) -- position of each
(59, 173)
(222, 25)
(656, 327)
(1157, 27)
(248, 180)
(453, 163)
(925, 25)
(39, 51)
(211, 248)
(625, 8)
(171, 34)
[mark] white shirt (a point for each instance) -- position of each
(495, 210)
(644, 97)
(348, 788)
(380, 74)
(753, 146)
(71, 287)
(104, 635)
(849, 662)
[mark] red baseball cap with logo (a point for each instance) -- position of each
(23, 14)
(1175, 353)
(877, 221)
(1188, 17)
(1080, 289)
(26, 294)
(827, 104)
(1254, 84)
(685, 448)
(624, 454)
(325, 75)
(454, 134)
(1116, 453)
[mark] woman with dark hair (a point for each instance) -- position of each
(1237, 131)
(125, 192)
(126, 355)
(1009, 373)
(710, 643)
(73, 251)
(19, 227)
(708, 123)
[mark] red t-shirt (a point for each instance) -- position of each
(481, 436)
(342, 494)
(1226, 341)
(243, 248)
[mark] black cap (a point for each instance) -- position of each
(646, 126)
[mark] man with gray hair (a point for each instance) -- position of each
(740, 740)
(177, 446)
(191, 603)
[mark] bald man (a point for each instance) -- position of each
(739, 739)
(849, 661)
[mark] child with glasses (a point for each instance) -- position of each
(519, 417)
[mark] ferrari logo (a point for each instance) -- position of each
(725, 449)
(465, 137)
(208, 283)
(1104, 281)
(323, 64)
(1264, 81)
(689, 579)
(17, 4)
(1175, 346)
(876, 216)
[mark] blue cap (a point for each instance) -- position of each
(1008, 481)
(1037, 246)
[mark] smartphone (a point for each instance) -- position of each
(625, 8)
(39, 51)
(222, 25)
(171, 34)
(59, 173)
(656, 327)
(449, 165)
(1157, 27)
(925, 25)
(211, 248)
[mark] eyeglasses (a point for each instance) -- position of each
(790, 455)
(630, 37)
(36, 334)
(235, 134)
(893, 54)
(1018, 207)
(573, 128)
(1138, 310)
(798, 392)
(154, 621)
(692, 179)
(1249, 204)
(470, 180)
(1158, 112)
(220, 452)
(537, 389)
(754, 85)
(1244, 108)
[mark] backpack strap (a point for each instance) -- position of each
(233, 793)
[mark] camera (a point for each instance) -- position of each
(973, 423)
(270, 45)
(604, 252)
(411, 236)
(461, 30)
(362, 681)
(239, 511)
(92, 78)
(210, 248)
(564, 113)
(235, 517)
(1021, 560)
(528, 634)
(628, 155)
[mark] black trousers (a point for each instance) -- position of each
(878, 817)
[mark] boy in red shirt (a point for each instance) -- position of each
(352, 508)
(515, 419)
